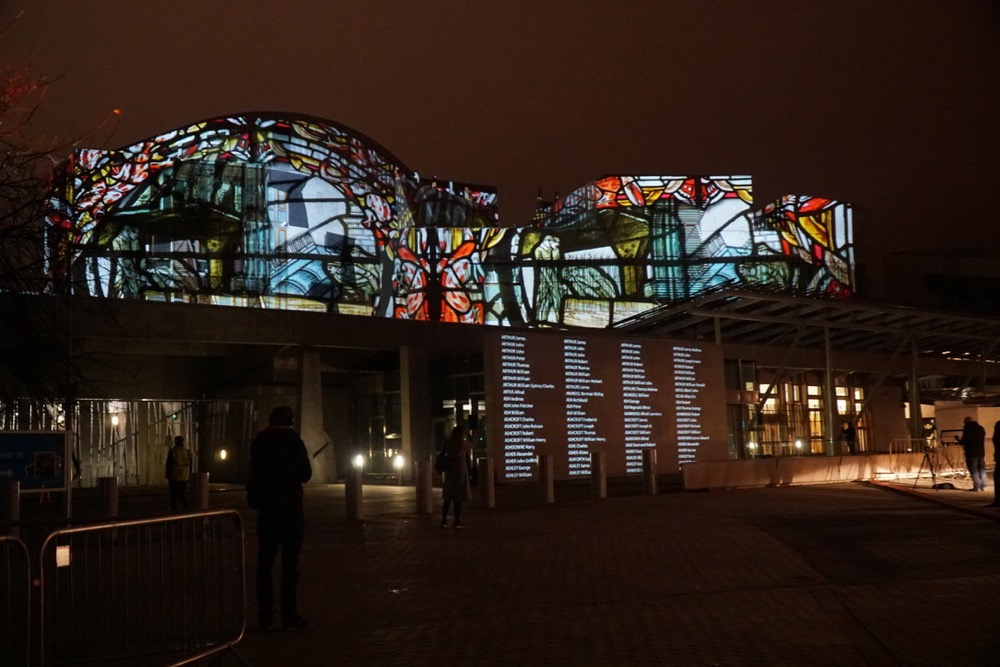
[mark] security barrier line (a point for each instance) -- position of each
(158, 591)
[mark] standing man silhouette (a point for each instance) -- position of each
(279, 466)
(996, 460)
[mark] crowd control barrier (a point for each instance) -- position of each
(15, 602)
(160, 591)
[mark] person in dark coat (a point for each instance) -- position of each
(456, 487)
(996, 464)
(973, 441)
(279, 466)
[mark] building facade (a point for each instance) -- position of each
(562, 347)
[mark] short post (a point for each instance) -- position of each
(107, 493)
(10, 506)
(487, 486)
(598, 475)
(425, 485)
(354, 498)
(201, 492)
(545, 481)
(649, 471)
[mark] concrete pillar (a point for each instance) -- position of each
(309, 418)
(649, 471)
(487, 485)
(414, 380)
(10, 506)
(598, 474)
(354, 497)
(425, 485)
(201, 491)
(107, 495)
(546, 482)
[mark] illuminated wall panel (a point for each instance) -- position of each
(570, 394)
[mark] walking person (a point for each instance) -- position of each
(279, 466)
(456, 487)
(973, 441)
(178, 471)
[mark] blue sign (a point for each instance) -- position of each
(36, 459)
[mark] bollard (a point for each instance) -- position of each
(355, 496)
(425, 485)
(201, 492)
(487, 485)
(107, 493)
(649, 471)
(10, 506)
(598, 475)
(545, 481)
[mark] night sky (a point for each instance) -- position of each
(890, 105)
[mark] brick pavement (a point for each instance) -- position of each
(846, 574)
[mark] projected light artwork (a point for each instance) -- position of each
(299, 213)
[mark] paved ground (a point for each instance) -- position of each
(845, 574)
(849, 574)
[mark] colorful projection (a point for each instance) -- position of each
(298, 213)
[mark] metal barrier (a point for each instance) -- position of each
(15, 602)
(161, 591)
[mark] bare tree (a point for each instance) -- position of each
(34, 352)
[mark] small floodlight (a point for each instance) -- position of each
(359, 461)
(223, 454)
(114, 420)
(397, 462)
(798, 444)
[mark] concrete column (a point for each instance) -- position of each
(354, 497)
(649, 471)
(414, 380)
(425, 485)
(598, 474)
(546, 482)
(107, 494)
(487, 485)
(10, 506)
(309, 418)
(200, 491)
(831, 427)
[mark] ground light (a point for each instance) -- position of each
(359, 461)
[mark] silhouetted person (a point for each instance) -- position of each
(850, 437)
(456, 487)
(973, 441)
(996, 461)
(178, 471)
(279, 466)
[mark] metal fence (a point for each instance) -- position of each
(15, 602)
(161, 591)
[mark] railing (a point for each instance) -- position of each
(15, 602)
(161, 591)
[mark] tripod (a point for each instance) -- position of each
(932, 455)
(929, 462)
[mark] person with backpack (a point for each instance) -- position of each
(456, 488)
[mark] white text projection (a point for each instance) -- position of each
(571, 395)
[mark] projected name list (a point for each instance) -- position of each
(522, 431)
(569, 396)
